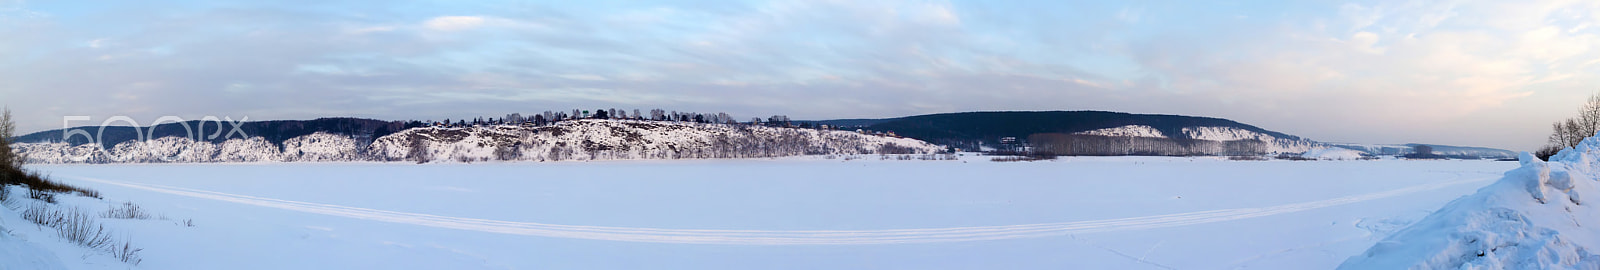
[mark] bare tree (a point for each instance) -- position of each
(8, 129)
(1570, 132)
(1423, 150)
(505, 151)
(419, 149)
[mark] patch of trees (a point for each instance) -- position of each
(1422, 152)
(1570, 132)
(551, 117)
(1063, 144)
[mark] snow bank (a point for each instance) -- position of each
(1539, 216)
(15, 250)
(1332, 153)
(16, 253)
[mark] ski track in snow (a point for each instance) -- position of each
(770, 237)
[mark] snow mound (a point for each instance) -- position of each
(19, 254)
(16, 252)
(1332, 153)
(1539, 216)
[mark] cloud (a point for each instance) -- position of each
(454, 23)
(1366, 72)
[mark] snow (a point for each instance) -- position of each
(1224, 134)
(1126, 131)
(1538, 216)
(806, 212)
(1275, 145)
(1332, 153)
(16, 252)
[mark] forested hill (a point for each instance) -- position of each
(967, 128)
(276, 131)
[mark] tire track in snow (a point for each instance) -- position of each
(771, 237)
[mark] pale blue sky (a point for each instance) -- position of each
(1450, 72)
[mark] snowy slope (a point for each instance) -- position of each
(1274, 145)
(1332, 153)
(1539, 216)
(313, 147)
(581, 139)
(628, 139)
(1142, 131)
(1444, 150)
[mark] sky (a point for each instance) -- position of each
(1477, 73)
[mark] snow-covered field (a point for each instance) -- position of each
(789, 213)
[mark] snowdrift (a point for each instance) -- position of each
(567, 140)
(1542, 215)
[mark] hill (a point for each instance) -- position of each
(274, 132)
(567, 140)
(1115, 133)
(975, 130)
(1447, 151)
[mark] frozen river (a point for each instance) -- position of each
(799, 213)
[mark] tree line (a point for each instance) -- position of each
(551, 117)
(1064, 144)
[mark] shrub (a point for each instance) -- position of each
(35, 181)
(1546, 152)
(1294, 157)
(1023, 158)
(126, 252)
(505, 152)
(127, 210)
(1247, 158)
(73, 225)
(41, 195)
